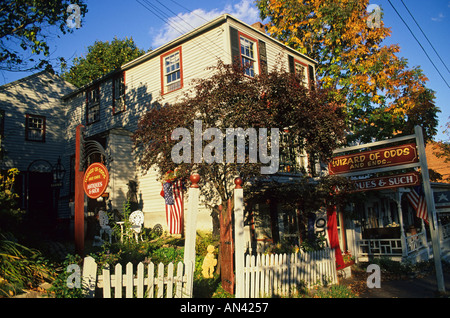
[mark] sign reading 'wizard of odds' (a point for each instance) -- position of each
(380, 158)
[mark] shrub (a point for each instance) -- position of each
(59, 288)
(20, 267)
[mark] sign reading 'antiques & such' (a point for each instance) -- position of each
(388, 182)
(95, 180)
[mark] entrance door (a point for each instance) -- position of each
(40, 199)
(40, 193)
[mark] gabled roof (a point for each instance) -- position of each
(181, 39)
(42, 76)
(26, 78)
(211, 24)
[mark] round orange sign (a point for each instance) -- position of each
(95, 180)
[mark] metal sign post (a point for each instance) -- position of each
(431, 208)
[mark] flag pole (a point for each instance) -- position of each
(430, 207)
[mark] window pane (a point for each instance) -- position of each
(246, 47)
(172, 62)
(119, 93)
(93, 105)
(300, 70)
(248, 67)
(35, 128)
(172, 68)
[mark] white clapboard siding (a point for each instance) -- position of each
(201, 49)
(283, 274)
(147, 282)
(37, 94)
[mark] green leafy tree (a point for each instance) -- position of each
(383, 94)
(24, 28)
(101, 58)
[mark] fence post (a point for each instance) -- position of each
(191, 222)
(239, 236)
(89, 277)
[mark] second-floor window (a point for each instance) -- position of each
(248, 55)
(249, 52)
(301, 69)
(35, 128)
(93, 105)
(304, 71)
(118, 93)
(172, 71)
(293, 158)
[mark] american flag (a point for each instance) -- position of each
(419, 204)
(173, 197)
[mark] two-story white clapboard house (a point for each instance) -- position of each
(111, 106)
(32, 117)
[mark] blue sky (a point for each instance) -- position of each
(107, 19)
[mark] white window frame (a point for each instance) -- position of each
(298, 67)
(119, 93)
(35, 129)
(172, 71)
(248, 51)
(93, 105)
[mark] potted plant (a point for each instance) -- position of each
(349, 260)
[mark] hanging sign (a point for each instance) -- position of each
(388, 182)
(95, 180)
(380, 158)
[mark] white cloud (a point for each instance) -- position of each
(438, 18)
(185, 22)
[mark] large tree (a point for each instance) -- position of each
(100, 59)
(383, 94)
(309, 119)
(25, 26)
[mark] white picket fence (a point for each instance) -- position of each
(146, 283)
(283, 275)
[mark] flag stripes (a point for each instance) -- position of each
(174, 202)
(418, 203)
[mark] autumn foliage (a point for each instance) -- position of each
(379, 88)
